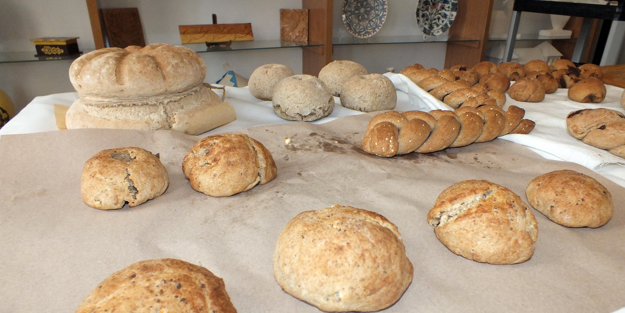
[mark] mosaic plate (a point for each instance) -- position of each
(436, 16)
(364, 18)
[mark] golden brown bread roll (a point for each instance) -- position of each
(484, 222)
(447, 74)
(456, 98)
(539, 66)
(495, 81)
(458, 67)
(571, 199)
(544, 78)
(485, 67)
(478, 100)
(430, 83)
(114, 177)
(166, 285)
(342, 259)
(561, 64)
(226, 164)
(527, 91)
(388, 133)
(591, 70)
(514, 71)
(602, 128)
(589, 90)
(480, 88)
(417, 75)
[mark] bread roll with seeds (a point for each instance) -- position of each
(114, 177)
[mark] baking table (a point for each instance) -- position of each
(56, 248)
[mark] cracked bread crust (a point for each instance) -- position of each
(342, 259)
(165, 285)
(227, 164)
(484, 222)
(114, 177)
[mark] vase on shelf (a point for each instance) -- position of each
(557, 22)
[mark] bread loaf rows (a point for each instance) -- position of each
(392, 133)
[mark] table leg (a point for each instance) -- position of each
(514, 28)
(582, 40)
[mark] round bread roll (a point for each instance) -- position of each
(484, 222)
(135, 72)
(514, 71)
(539, 66)
(342, 259)
(561, 64)
(485, 67)
(544, 78)
(591, 70)
(526, 90)
(302, 98)
(336, 73)
(495, 81)
(571, 199)
(114, 177)
(589, 90)
(368, 93)
(264, 79)
(601, 128)
(226, 164)
(468, 75)
(165, 285)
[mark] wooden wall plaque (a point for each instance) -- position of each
(215, 33)
(123, 27)
(294, 27)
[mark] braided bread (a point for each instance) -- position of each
(601, 128)
(392, 133)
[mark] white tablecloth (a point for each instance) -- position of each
(549, 138)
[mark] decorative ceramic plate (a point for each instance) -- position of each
(436, 16)
(364, 18)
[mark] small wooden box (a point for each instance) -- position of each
(56, 46)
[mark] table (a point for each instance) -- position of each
(233, 236)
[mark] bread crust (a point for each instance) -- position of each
(588, 90)
(264, 78)
(571, 199)
(484, 222)
(193, 112)
(538, 66)
(114, 177)
(514, 71)
(226, 164)
(495, 81)
(527, 91)
(368, 93)
(302, 98)
(135, 72)
(165, 285)
(485, 67)
(336, 73)
(342, 259)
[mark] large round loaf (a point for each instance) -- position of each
(342, 259)
(265, 78)
(484, 222)
(136, 72)
(166, 285)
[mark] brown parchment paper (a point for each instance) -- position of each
(54, 249)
